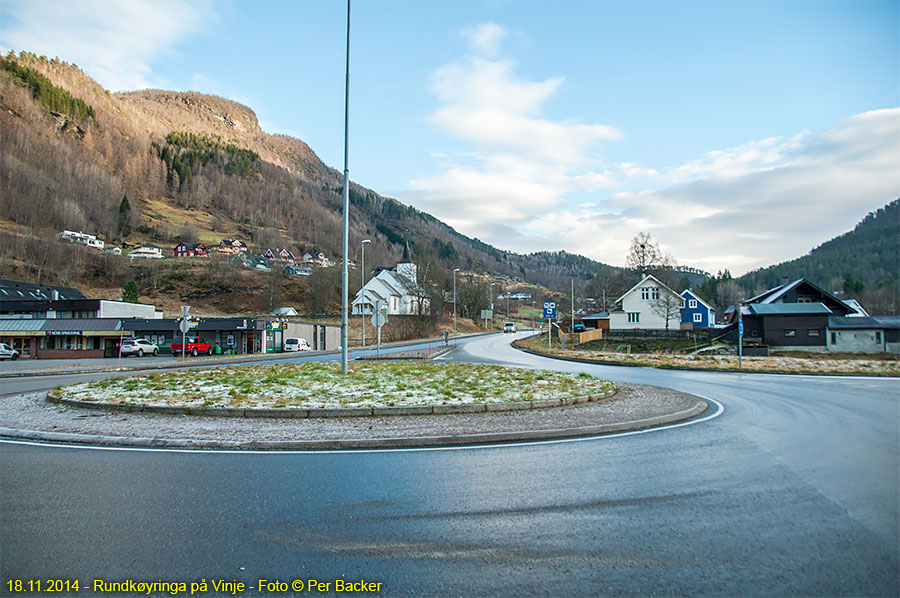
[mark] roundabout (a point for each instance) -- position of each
(791, 489)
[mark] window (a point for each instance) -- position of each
(877, 337)
(692, 303)
(813, 332)
(634, 317)
(790, 332)
(834, 338)
(698, 317)
(645, 294)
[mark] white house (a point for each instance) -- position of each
(397, 289)
(80, 237)
(151, 252)
(647, 305)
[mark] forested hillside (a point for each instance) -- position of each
(863, 263)
(194, 168)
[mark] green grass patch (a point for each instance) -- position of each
(313, 385)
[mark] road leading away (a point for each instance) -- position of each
(792, 490)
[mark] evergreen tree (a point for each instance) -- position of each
(130, 292)
(124, 227)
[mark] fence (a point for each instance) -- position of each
(699, 335)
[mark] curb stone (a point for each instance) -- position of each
(329, 412)
(699, 407)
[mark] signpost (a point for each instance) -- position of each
(487, 314)
(550, 314)
(379, 319)
(740, 337)
(184, 326)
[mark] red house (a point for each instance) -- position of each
(191, 250)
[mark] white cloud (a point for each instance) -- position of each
(759, 213)
(116, 42)
(485, 39)
(523, 163)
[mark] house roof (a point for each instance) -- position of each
(598, 316)
(863, 322)
(762, 309)
(101, 324)
(14, 289)
(643, 280)
(697, 297)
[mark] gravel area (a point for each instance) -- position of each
(633, 406)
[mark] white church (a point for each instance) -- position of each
(396, 288)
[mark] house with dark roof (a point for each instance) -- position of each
(791, 316)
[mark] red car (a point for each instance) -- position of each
(194, 345)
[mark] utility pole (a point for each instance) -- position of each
(454, 301)
(362, 294)
(572, 329)
(344, 279)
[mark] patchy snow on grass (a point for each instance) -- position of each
(315, 385)
(821, 365)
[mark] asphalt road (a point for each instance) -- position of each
(793, 490)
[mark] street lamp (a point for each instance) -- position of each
(362, 292)
(492, 305)
(345, 287)
(454, 300)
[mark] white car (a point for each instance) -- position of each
(509, 327)
(7, 352)
(139, 347)
(296, 344)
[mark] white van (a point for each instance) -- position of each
(296, 344)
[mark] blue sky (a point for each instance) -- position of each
(739, 134)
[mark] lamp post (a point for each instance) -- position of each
(492, 305)
(346, 220)
(455, 270)
(362, 294)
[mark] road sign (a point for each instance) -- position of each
(184, 326)
(487, 314)
(549, 309)
(741, 329)
(379, 319)
(185, 310)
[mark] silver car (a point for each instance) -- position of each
(7, 352)
(139, 347)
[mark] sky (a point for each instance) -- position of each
(738, 134)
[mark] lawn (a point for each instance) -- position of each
(319, 385)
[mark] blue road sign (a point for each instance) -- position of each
(549, 310)
(741, 329)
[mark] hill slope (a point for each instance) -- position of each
(194, 167)
(870, 254)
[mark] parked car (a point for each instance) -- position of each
(578, 327)
(509, 327)
(296, 344)
(195, 345)
(7, 352)
(139, 347)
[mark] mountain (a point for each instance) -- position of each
(161, 167)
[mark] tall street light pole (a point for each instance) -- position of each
(492, 305)
(344, 278)
(454, 300)
(362, 294)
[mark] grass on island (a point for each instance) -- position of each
(612, 351)
(317, 385)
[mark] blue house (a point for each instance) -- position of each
(696, 312)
